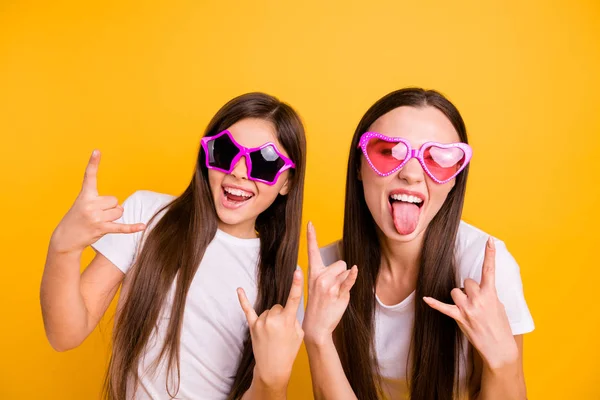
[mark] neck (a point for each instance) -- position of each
(244, 230)
(400, 260)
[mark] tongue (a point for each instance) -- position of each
(406, 217)
(233, 197)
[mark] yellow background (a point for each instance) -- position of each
(140, 80)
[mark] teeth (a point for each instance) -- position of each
(406, 198)
(238, 192)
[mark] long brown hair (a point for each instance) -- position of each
(174, 247)
(436, 338)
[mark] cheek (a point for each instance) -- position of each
(438, 194)
(215, 178)
(371, 180)
(375, 189)
(267, 194)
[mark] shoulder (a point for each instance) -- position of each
(142, 205)
(331, 252)
(470, 251)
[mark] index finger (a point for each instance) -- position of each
(488, 271)
(90, 183)
(315, 262)
(251, 315)
(295, 296)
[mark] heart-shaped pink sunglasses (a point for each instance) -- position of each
(387, 155)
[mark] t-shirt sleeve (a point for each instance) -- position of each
(121, 248)
(330, 253)
(509, 287)
(300, 312)
(510, 291)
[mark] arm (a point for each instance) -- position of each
(507, 382)
(328, 297)
(483, 319)
(276, 338)
(328, 377)
(260, 390)
(73, 303)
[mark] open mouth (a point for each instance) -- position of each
(406, 209)
(236, 196)
(405, 198)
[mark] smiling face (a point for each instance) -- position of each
(238, 200)
(404, 203)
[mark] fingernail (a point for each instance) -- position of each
(95, 153)
(310, 225)
(426, 298)
(297, 274)
(491, 243)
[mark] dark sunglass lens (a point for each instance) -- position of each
(266, 163)
(221, 152)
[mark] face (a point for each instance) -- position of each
(237, 199)
(404, 203)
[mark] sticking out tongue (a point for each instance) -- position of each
(406, 216)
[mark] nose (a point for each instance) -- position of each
(240, 170)
(412, 172)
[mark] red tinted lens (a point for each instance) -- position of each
(385, 156)
(443, 163)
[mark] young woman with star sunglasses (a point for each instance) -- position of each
(406, 329)
(179, 328)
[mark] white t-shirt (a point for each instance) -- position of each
(394, 323)
(214, 324)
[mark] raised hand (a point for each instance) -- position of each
(91, 216)
(481, 316)
(276, 336)
(328, 292)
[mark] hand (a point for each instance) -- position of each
(91, 216)
(276, 336)
(328, 292)
(481, 316)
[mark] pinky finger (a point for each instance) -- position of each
(450, 310)
(115, 227)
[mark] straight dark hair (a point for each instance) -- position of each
(436, 338)
(174, 247)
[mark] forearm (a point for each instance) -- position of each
(505, 383)
(63, 308)
(328, 377)
(259, 390)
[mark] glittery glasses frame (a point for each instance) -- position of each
(414, 153)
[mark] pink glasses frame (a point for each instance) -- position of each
(245, 152)
(414, 153)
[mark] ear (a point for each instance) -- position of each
(285, 189)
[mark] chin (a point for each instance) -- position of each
(229, 218)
